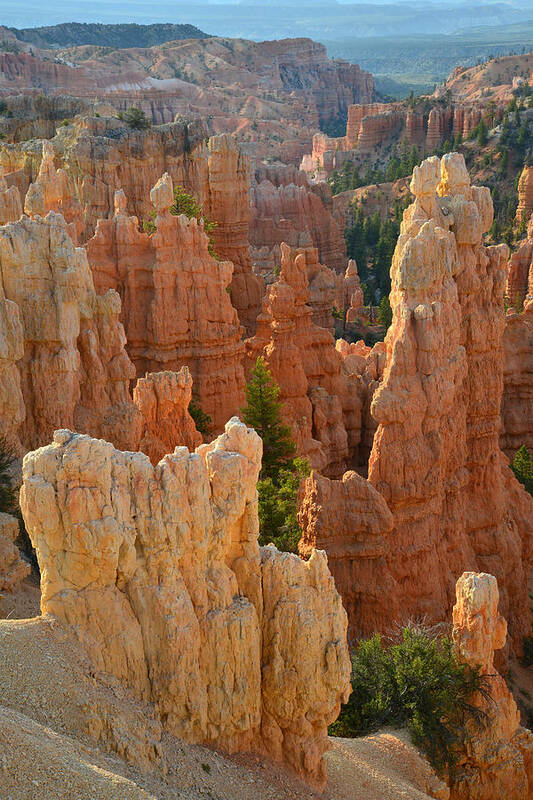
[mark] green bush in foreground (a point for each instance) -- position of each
(416, 683)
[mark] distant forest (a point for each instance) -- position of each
(71, 34)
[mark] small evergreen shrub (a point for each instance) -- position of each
(522, 466)
(385, 312)
(201, 419)
(418, 683)
(184, 203)
(135, 118)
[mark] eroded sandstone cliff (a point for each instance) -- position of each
(321, 401)
(99, 156)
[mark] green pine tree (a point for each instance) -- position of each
(385, 312)
(263, 413)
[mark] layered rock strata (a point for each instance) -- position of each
(157, 572)
(321, 401)
(497, 760)
(176, 308)
(373, 126)
(264, 92)
(285, 207)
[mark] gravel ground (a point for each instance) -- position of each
(53, 708)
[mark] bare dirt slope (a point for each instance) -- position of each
(53, 708)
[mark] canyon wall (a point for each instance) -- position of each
(272, 95)
(167, 591)
(175, 305)
(371, 127)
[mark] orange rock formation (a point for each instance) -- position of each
(12, 568)
(70, 355)
(175, 307)
(163, 400)
(287, 208)
(350, 520)
(158, 574)
(498, 757)
(435, 455)
(520, 270)
(321, 401)
(525, 195)
(371, 127)
(217, 174)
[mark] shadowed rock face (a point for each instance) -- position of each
(517, 400)
(158, 573)
(498, 757)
